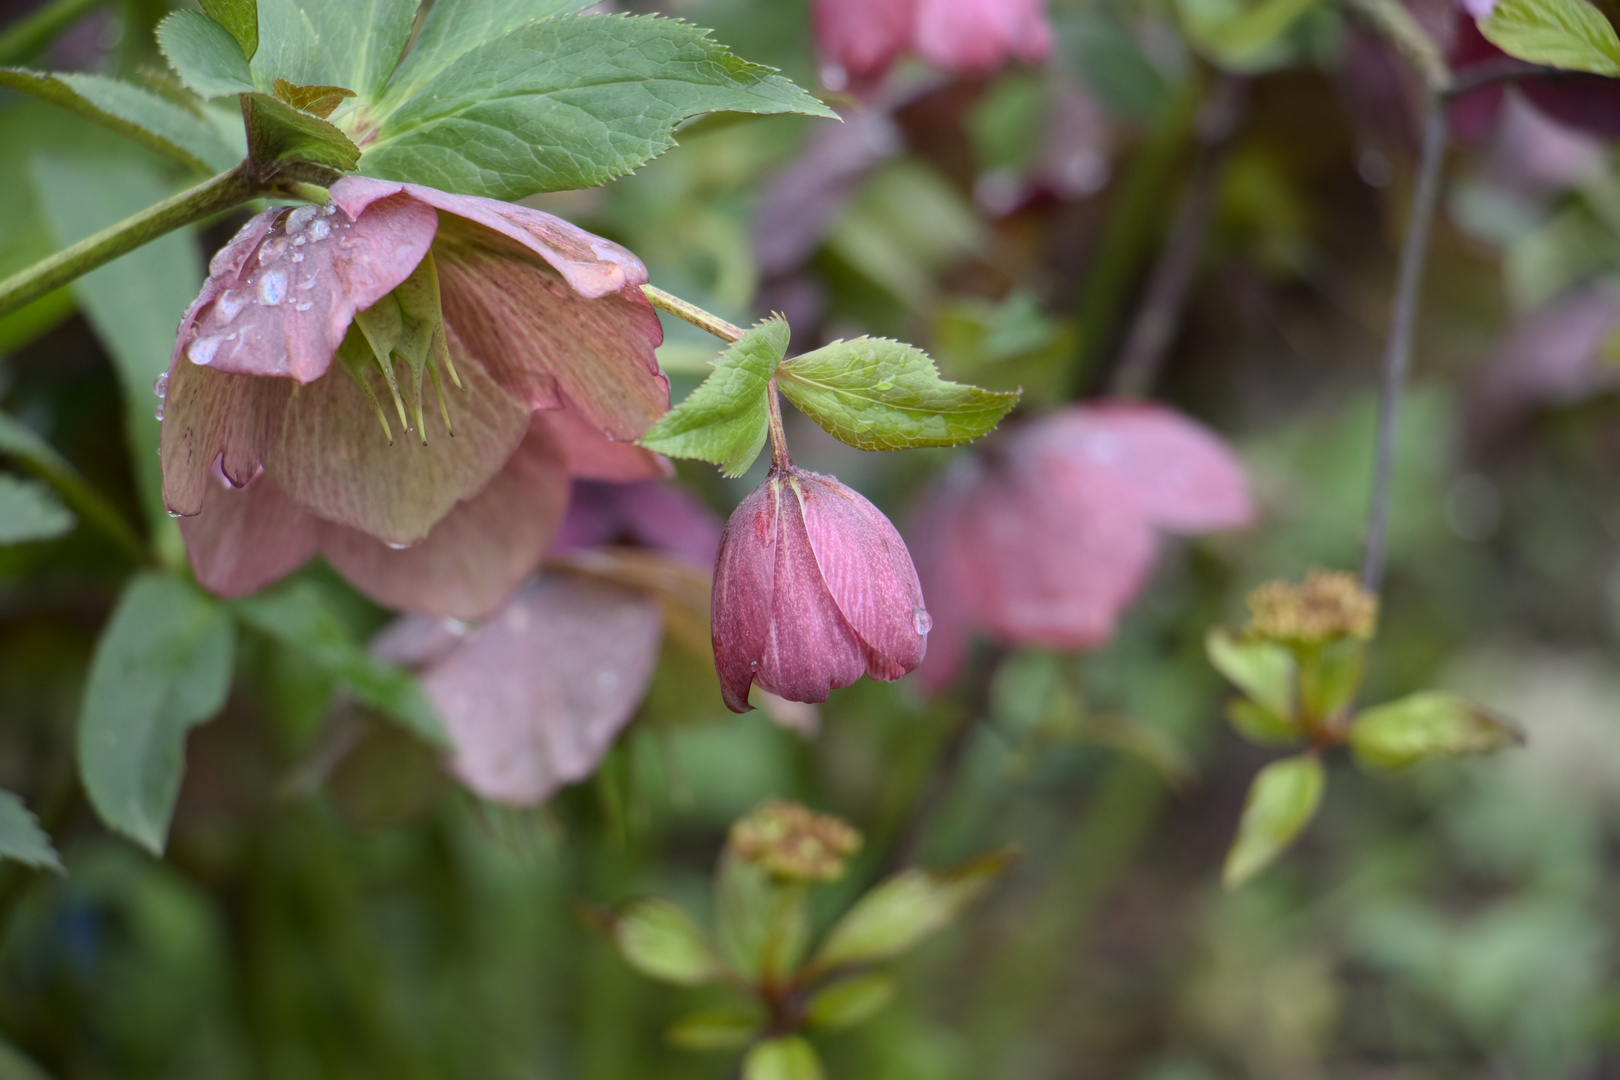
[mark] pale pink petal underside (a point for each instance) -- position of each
(247, 537)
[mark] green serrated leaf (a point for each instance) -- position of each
(877, 394)
(30, 511)
(661, 941)
(162, 666)
(715, 1029)
(569, 102)
(1426, 725)
(788, 1058)
(155, 122)
(279, 134)
(354, 43)
(22, 839)
(850, 1001)
(1570, 34)
(1262, 669)
(204, 55)
(450, 31)
(300, 617)
(1282, 800)
(727, 419)
(240, 18)
(902, 910)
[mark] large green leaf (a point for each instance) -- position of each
(1426, 725)
(902, 910)
(30, 511)
(877, 394)
(132, 302)
(350, 43)
(568, 103)
(204, 55)
(450, 30)
(240, 18)
(727, 419)
(278, 134)
(22, 839)
(1568, 34)
(163, 665)
(300, 617)
(1281, 802)
(155, 122)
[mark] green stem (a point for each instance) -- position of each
(779, 450)
(224, 191)
(671, 304)
(38, 30)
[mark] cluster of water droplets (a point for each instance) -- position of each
(160, 387)
(280, 278)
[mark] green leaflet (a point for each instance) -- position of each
(278, 133)
(163, 665)
(352, 43)
(726, 420)
(1426, 725)
(1281, 802)
(661, 941)
(153, 121)
(1568, 34)
(29, 510)
(301, 619)
(240, 18)
(788, 1058)
(877, 394)
(568, 103)
(22, 839)
(204, 55)
(449, 30)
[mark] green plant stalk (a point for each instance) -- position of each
(38, 30)
(227, 190)
(671, 304)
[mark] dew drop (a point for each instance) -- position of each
(230, 303)
(308, 282)
(328, 210)
(157, 413)
(300, 218)
(300, 241)
(319, 230)
(298, 256)
(271, 250)
(753, 665)
(161, 386)
(921, 621)
(303, 305)
(396, 546)
(174, 513)
(273, 288)
(202, 350)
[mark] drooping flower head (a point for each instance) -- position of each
(812, 589)
(1047, 537)
(484, 351)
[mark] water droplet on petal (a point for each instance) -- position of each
(319, 230)
(300, 218)
(303, 305)
(308, 282)
(273, 288)
(300, 241)
(202, 350)
(328, 210)
(230, 303)
(161, 386)
(174, 513)
(922, 622)
(396, 546)
(298, 256)
(157, 413)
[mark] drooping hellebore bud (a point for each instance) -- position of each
(813, 588)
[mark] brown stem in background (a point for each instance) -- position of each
(1154, 327)
(1403, 323)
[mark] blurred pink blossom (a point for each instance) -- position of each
(860, 39)
(270, 455)
(1050, 534)
(812, 589)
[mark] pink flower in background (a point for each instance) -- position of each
(812, 589)
(1550, 356)
(1588, 103)
(271, 455)
(860, 39)
(1048, 537)
(652, 514)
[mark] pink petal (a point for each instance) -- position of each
(593, 456)
(534, 699)
(280, 297)
(810, 648)
(246, 537)
(330, 454)
(649, 514)
(1177, 473)
(415, 640)
(978, 35)
(868, 573)
(861, 38)
(740, 605)
(1550, 356)
(210, 416)
(946, 572)
(477, 555)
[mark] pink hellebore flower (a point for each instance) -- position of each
(271, 456)
(813, 588)
(860, 39)
(1048, 537)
